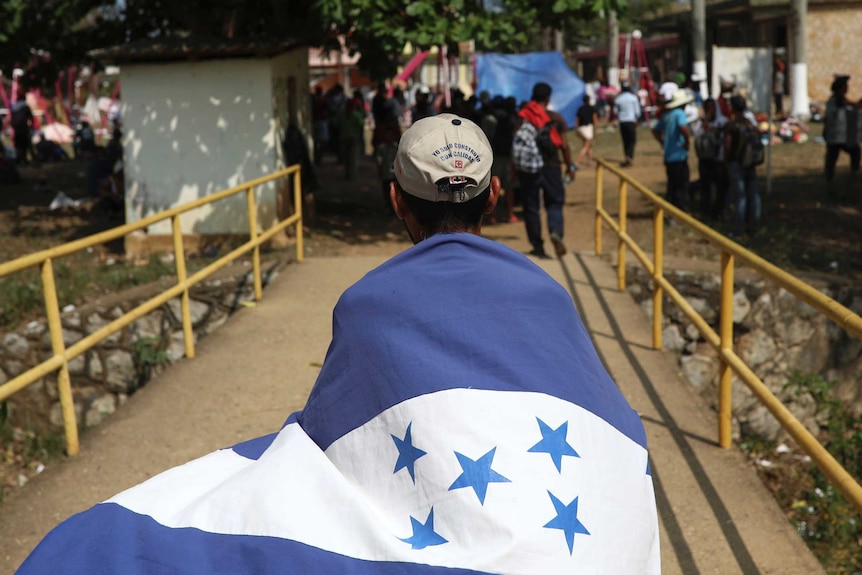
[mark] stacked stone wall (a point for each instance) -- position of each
(105, 376)
(774, 333)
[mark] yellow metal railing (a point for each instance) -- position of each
(62, 355)
(723, 340)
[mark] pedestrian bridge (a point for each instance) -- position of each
(715, 514)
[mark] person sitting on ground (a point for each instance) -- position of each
(587, 125)
(437, 438)
(48, 151)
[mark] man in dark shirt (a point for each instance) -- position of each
(549, 180)
(22, 123)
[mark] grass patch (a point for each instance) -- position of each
(827, 522)
(24, 453)
(77, 278)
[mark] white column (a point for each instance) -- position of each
(799, 90)
(699, 69)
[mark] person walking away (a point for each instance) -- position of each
(712, 170)
(387, 133)
(22, 124)
(587, 126)
(627, 109)
(840, 128)
(490, 442)
(673, 134)
(320, 124)
(350, 120)
(501, 145)
(740, 169)
(536, 151)
(423, 106)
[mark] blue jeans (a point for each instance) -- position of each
(743, 187)
(549, 183)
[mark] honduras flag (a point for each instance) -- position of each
(462, 423)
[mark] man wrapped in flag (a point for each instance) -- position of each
(462, 423)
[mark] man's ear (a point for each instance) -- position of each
(491, 204)
(398, 203)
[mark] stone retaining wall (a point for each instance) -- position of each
(105, 376)
(774, 333)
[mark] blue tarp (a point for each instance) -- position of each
(515, 75)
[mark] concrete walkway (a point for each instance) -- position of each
(716, 516)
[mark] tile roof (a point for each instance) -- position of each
(178, 49)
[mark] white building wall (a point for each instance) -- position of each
(195, 128)
(291, 104)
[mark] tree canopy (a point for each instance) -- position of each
(379, 29)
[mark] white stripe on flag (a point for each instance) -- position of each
(486, 463)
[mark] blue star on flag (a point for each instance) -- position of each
(567, 520)
(407, 453)
(477, 474)
(554, 443)
(424, 534)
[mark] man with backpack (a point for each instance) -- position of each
(536, 156)
(743, 153)
(709, 145)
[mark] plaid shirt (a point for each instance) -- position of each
(526, 156)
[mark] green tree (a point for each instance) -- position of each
(380, 29)
(43, 36)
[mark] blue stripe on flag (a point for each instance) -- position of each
(120, 541)
(254, 448)
(457, 311)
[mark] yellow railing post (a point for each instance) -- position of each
(599, 189)
(297, 202)
(64, 384)
(658, 272)
(255, 253)
(185, 304)
(621, 250)
(725, 332)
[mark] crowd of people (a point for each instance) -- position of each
(32, 146)
(338, 123)
(728, 144)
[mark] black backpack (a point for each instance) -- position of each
(752, 152)
(543, 140)
(707, 145)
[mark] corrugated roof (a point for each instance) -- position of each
(178, 49)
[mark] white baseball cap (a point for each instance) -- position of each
(444, 158)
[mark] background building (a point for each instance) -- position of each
(199, 117)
